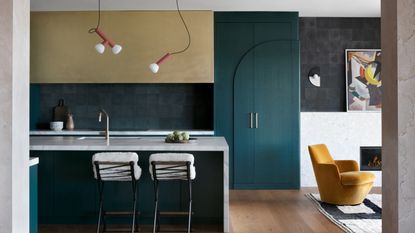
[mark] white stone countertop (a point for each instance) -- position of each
(67, 143)
(33, 161)
(86, 132)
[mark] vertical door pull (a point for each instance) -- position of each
(256, 120)
(251, 120)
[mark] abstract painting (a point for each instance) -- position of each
(363, 80)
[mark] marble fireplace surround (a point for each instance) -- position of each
(343, 132)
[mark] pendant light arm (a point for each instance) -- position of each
(104, 37)
(92, 30)
(162, 59)
(189, 39)
(154, 67)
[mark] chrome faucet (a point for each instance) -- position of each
(107, 129)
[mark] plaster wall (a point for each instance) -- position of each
(14, 116)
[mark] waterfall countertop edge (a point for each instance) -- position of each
(33, 161)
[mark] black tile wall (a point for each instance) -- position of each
(323, 43)
(131, 106)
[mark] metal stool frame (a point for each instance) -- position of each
(117, 176)
(170, 170)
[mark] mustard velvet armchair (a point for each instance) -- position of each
(339, 181)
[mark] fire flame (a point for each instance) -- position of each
(375, 162)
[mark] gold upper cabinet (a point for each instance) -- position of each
(62, 50)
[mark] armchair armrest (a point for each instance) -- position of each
(328, 172)
(346, 165)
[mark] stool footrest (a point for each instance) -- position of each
(119, 230)
(174, 213)
(120, 213)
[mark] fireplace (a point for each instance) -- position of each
(370, 158)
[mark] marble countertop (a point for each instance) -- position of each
(69, 143)
(87, 132)
(33, 161)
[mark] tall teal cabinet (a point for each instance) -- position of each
(33, 219)
(257, 93)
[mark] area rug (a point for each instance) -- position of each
(363, 218)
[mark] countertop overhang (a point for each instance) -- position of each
(67, 143)
(33, 161)
(86, 132)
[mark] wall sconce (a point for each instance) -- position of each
(314, 76)
(115, 48)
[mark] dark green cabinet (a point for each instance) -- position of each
(68, 191)
(257, 97)
(33, 199)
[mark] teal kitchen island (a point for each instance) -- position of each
(68, 192)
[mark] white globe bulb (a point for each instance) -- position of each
(116, 49)
(154, 68)
(100, 48)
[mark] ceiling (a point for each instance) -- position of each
(306, 8)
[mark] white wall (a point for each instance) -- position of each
(315, 8)
(343, 133)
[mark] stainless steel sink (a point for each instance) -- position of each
(103, 137)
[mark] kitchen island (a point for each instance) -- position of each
(67, 190)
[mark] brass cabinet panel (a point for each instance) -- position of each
(62, 50)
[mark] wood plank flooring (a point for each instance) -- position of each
(252, 211)
(285, 211)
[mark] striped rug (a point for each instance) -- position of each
(363, 218)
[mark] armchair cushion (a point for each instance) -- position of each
(346, 165)
(356, 178)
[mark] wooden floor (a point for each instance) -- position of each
(252, 211)
(285, 211)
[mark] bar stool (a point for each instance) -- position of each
(167, 167)
(116, 167)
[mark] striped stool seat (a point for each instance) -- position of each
(172, 166)
(114, 167)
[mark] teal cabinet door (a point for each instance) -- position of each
(266, 85)
(276, 108)
(231, 41)
(75, 192)
(257, 71)
(33, 219)
(244, 121)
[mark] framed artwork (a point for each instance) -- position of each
(363, 80)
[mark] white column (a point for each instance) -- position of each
(14, 116)
(398, 61)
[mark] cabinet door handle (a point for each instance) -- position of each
(251, 120)
(256, 120)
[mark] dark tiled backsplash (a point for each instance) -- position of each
(130, 106)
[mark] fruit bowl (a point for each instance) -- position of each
(178, 137)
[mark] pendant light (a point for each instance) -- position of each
(154, 67)
(106, 41)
